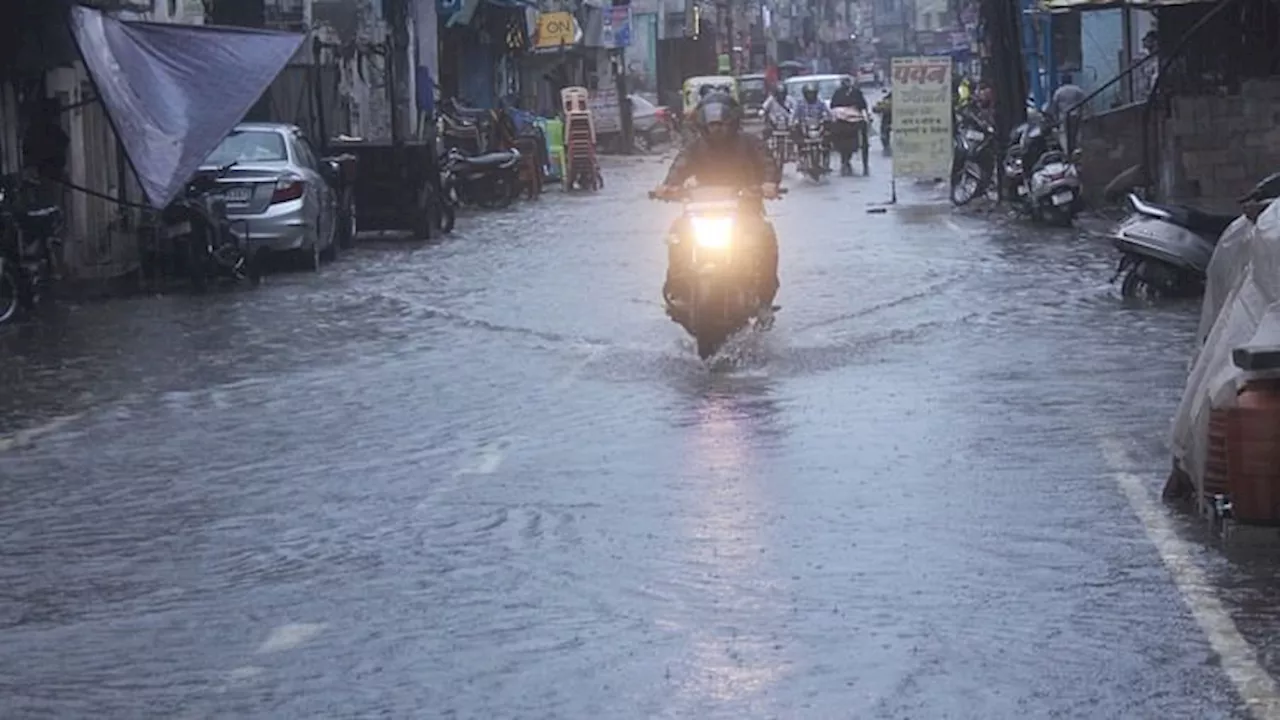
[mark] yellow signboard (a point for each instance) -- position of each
(556, 29)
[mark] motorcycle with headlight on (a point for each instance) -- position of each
(717, 288)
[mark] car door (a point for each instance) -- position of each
(309, 164)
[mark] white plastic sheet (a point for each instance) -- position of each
(1241, 309)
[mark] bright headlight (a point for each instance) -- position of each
(713, 232)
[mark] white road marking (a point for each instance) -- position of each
(487, 459)
(24, 438)
(1239, 659)
(289, 636)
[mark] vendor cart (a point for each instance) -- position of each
(396, 189)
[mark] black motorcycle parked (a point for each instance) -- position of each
(490, 181)
(195, 233)
(29, 238)
(973, 158)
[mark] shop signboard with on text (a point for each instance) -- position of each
(922, 142)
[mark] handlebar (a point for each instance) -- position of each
(684, 194)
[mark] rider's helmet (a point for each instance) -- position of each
(810, 93)
(846, 82)
(718, 117)
(780, 93)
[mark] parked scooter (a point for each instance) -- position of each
(489, 181)
(29, 239)
(1048, 182)
(1166, 249)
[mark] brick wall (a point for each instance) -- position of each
(1111, 142)
(1215, 148)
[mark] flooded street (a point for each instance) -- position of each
(488, 478)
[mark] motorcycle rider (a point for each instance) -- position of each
(850, 95)
(777, 111)
(722, 156)
(810, 109)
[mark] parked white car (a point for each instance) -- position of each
(277, 191)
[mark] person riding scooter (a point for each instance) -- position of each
(723, 156)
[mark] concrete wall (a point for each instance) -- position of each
(1216, 148)
(1111, 143)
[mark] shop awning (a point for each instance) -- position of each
(173, 92)
(1065, 6)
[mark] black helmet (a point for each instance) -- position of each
(810, 93)
(780, 92)
(718, 108)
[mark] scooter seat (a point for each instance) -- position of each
(493, 159)
(1197, 221)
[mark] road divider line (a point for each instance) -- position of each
(1239, 659)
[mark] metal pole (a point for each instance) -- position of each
(624, 100)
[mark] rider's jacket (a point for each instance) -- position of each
(806, 112)
(776, 114)
(740, 161)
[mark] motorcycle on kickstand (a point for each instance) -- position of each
(850, 134)
(29, 243)
(813, 156)
(198, 232)
(718, 290)
(973, 159)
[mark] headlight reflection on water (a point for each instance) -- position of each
(731, 601)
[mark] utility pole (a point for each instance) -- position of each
(1001, 33)
(620, 74)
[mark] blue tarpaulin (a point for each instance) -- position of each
(173, 92)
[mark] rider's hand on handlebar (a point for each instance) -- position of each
(770, 191)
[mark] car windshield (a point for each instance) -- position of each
(826, 88)
(249, 146)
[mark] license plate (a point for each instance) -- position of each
(1063, 198)
(237, 195)
(178, 230)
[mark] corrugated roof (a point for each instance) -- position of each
(1063, 6)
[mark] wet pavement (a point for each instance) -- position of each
(487, 478)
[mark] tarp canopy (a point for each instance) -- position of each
(1062, 6)
(1241, 309)
(173, 92)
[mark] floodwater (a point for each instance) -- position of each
(487, 478)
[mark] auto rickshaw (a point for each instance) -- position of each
(694, 89)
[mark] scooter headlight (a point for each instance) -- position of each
(713, 232)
